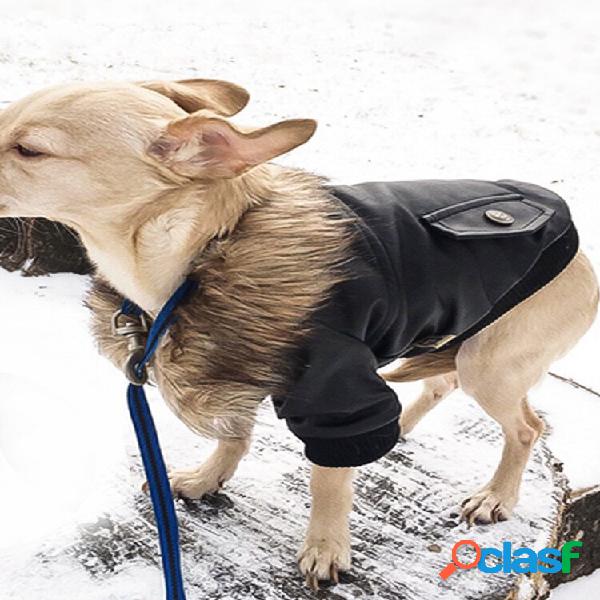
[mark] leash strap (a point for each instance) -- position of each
(147, 439)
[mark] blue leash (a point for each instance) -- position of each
(145, 430)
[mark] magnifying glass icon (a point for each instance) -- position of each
(456, 563)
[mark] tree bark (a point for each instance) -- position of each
(40, 247)
(581, 521)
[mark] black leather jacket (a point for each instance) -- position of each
(434, 262)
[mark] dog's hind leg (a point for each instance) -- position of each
(522, 427)
(499, 365)
(435, 389)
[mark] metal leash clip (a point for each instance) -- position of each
(135, 329)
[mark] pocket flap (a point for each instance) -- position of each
(490, 216)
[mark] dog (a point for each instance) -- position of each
(159, 185)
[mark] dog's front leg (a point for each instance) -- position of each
(326, 549)
(210, 476)
(218, 468)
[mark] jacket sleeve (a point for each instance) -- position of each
(345, 414)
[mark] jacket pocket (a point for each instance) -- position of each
(501, 215)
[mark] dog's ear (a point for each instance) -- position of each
(203, 147)
(221, 97)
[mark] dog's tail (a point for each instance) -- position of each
(424, 366)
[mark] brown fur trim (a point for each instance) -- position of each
(232, 343)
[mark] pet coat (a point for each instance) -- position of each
(433, 262)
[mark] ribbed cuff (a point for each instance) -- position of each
(353, 451)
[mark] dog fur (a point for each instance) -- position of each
(231, 344)
(159, 185)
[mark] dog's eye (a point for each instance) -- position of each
(27, 152)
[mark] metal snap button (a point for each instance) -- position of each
(499, 217)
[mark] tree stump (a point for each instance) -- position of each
(581, 521)
(39, 247)
(242, 543)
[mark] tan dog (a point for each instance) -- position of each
(156, 193)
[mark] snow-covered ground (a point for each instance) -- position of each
(401, 90)
(585, 587)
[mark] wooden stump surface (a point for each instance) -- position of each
(241, 543)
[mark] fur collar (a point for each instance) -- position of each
(234, 341)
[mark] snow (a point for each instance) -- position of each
(401, 90)
(61, 418)
(584, 587)
(573, 417)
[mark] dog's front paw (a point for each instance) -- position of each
(322, 559)
(196, 483)
(210, 476)
(487, 506)
(192, 483)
